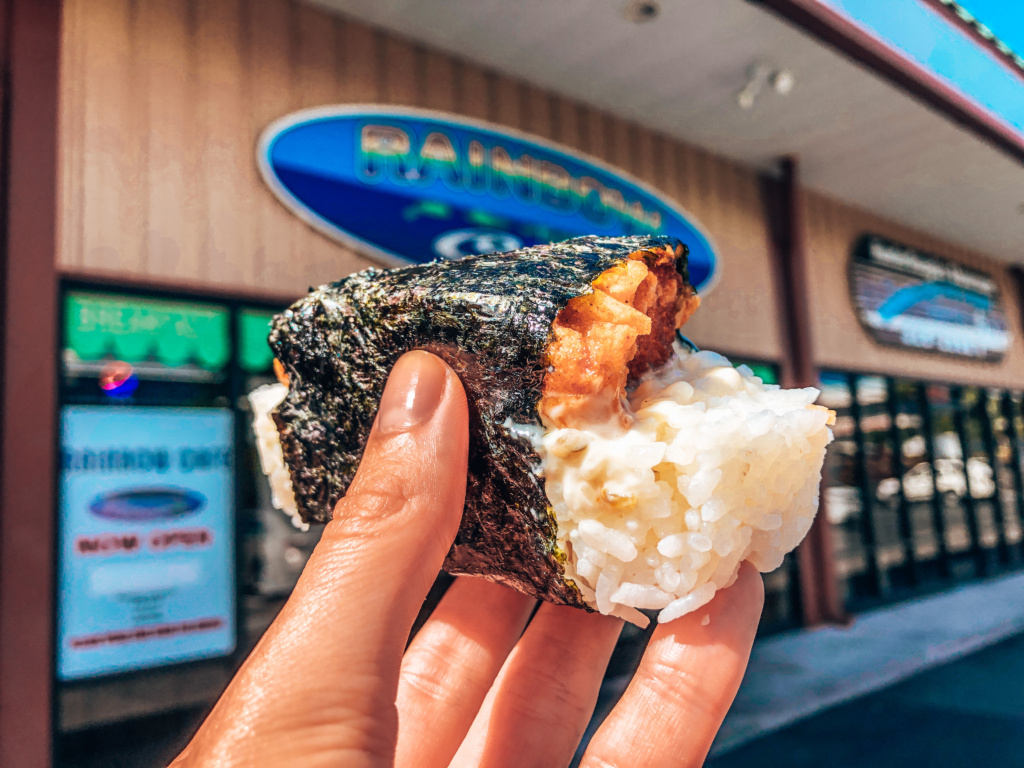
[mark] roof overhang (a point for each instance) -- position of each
(864, 135)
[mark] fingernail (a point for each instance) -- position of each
(412, 393)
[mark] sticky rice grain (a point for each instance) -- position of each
(713, 467)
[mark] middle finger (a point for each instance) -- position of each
(450, 665)
(538, 708)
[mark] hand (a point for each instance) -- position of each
(481, 684)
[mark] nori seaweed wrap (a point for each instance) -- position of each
(546, 335)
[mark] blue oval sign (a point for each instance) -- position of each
(411, 186)
(144, 504)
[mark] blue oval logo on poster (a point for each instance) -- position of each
(411, 186)
(144, 504)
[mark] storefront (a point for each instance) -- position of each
(174, 246)
(193, 227)
(923, 483)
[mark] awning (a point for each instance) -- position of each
(254, 354)
(764, 371)
(137, 329)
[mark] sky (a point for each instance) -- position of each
(950, 54)
(1004, 17)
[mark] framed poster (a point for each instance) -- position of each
(146, 565)
(908, 298)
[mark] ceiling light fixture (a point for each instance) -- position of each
(782, 81)
(761, 76)
(641, 11)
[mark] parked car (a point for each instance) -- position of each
(949, 480)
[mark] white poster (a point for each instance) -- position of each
(147, 561)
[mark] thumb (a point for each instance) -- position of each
(323, 680)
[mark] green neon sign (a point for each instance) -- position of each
(766, 372)
(254, 354)
(136, 330)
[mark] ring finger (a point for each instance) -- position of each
(538, 708)
(685, 684)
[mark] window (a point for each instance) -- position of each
(922, 482)
(162, 497)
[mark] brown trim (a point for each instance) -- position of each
(194, 288)
(793, 274)
(1016, 272)
(783, 207)
(29, 387)
(836, 31)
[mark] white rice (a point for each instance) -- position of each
(716, 468)
(268, 444)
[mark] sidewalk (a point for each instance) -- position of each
(798, 674)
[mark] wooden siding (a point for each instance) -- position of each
(163, 102)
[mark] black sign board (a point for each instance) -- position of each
(913, 299)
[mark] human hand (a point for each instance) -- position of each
(481, 684)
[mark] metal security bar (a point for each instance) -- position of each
(968, 498)
(898, 468)
(983, 414)
(938, 518)
(874, 576)
(1011, 412)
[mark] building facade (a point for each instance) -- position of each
(164, 230)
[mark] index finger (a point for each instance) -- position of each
(685, 684)
(325, 674)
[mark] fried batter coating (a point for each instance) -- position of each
(604, 339)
